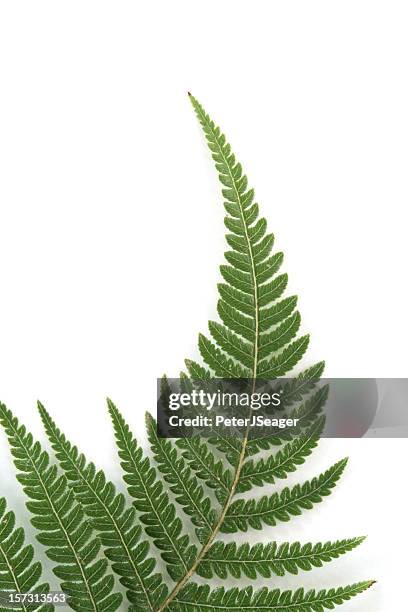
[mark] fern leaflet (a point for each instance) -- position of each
(189, 493)
(197, 598)
(268, 510)
(268, 559)
(151, 500)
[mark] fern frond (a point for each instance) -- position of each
(189, 493)
(108, 514)
(157, 512)
(19, 573)
(281, 506)
(223, 560)
(196, 598)
(256, 337)
(293, 454)
(247, 305)
(62, 527)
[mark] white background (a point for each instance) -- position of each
(111, 219)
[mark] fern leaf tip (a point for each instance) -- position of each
(41, 408)
(110, 403)
(148, 418)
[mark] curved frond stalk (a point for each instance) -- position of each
(19, 573)
(197, 598)
(266, 560)
(109, 515)
(61, 523)
(157, 512)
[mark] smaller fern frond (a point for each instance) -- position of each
(265, 560)
(189, 493)
(19, 573)
(61, 523)
(281, 506)
(195, 597)
(157, 512)
(110, 517)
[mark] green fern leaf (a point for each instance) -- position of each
(61, 524)
(280, 336)
(157, 512)
(189, 493)
(232, 344)
(19, 573)
(196, 371)
(285, 361)
(286, 460)
(242, 302)
(268, 317)
(223, 367)
(281, 506)
(195, 598)
(272, 291)
(202, 461)
(109, 516)
(250, 285)
(265, 560)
